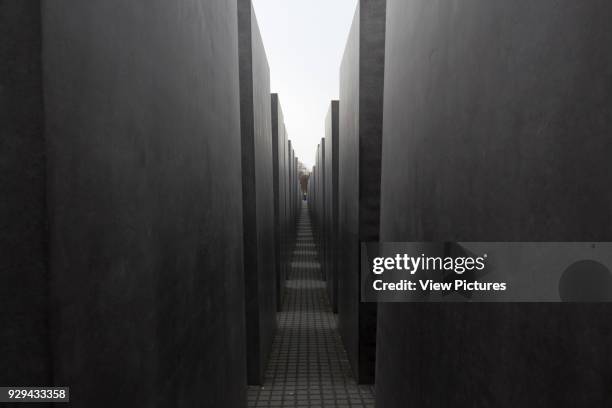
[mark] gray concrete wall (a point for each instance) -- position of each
(310, 196)
(287, 226)
(331, 203)
(144, 202)
(316, 197)
(280, 191)
(296, 190)
(24, 342)
(292, 201)
(360, 134)
(290, 205)
(497, 128)
(258, 194)
(312, 199)
(321, 227)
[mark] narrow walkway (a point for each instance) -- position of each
(308, 366)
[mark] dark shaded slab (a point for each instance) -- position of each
(288, 227)
(121, 209)
(331, 203)
(292, 198)
(24, 340)
(316, 210)
(290, 203)
(257, 192)
(497, 128)
(360, 135)
(321, 227)
(281, 191)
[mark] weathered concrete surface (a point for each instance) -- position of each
(312, 196)
(257, 192)
(294, 189)
(295, 192)
(24, 342)
(144, 202)
(321, 227)
(287, 227)
(497, 128)
(279, 142)
(316, 197)
(290, 208)
(331, 203)
(292, 200)
(360, 118)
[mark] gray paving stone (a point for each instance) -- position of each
(308, 366)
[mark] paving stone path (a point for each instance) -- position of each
(308, 366)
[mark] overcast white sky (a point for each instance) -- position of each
(304, 42)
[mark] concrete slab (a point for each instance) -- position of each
(258, 193)
(360, 136)
(497, 123)
(331, 203)
(281, 219)
(144, 202)
(24, 337)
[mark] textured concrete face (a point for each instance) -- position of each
(258, 193)
(321, 228)
(297, 194)
(360, 134)
(280, 165)
(331, 203)
(144, 202)
(497, 128)
(290, 208)
(316, 196)
(312, 198)
(287, 229)
(293, 181)
(24, 345)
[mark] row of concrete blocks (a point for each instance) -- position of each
(270, 193)
(476, 121)
(149, 199)
(344, 189)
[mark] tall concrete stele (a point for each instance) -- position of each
(497, 120)
(315, 196)
(282, 190)
(331, 203)
(121, 202)
(257, 193)
(321, 227)
(360, 136)
(289, 203)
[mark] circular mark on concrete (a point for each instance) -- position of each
(586, 281)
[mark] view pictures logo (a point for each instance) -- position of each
(404, 262)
